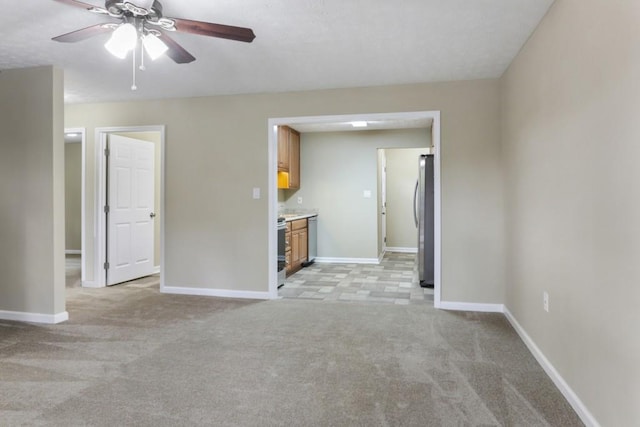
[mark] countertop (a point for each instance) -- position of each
(295, 216)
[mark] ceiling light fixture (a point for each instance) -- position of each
(154, 46)
(123, 40)
(359, 124)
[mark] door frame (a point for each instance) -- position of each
(83, 168)
(383, 201)
(272, 192)
(100, 180)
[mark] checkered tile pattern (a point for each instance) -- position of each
(393, 281)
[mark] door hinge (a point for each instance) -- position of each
(106, 265)
(106, 209)
(106, 152)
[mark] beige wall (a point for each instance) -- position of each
(32, 189)
(73, 195)
(216, 152)
(335, 170)
(402, 173)
(571, 147)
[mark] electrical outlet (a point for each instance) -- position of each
(545, 301)
(299, 200)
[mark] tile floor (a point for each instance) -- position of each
(393, 281)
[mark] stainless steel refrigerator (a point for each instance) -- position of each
(423, 215)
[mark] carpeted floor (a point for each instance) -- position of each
(131, 356)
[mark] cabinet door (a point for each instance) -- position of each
(287, 260)
(283, 149)
(287, 254)
(294, 159)
(295, 250)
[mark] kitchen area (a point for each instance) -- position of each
(297, 228)
(330, 243)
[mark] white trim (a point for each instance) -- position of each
(209, 292)
(587, 418)
(272, 214)
(437, 209)
(73, 251)
(156, 269)
(21, 316)
(272, 248)
(91, 284)
(328, 260)
(382, 204)
(470, 306)
(402, 250)
(100, 196)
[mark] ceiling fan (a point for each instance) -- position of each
(143, 20)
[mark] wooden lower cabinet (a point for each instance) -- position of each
(299, 245)
(287, 253)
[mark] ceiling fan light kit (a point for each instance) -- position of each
(154, 46)
(122, 40)
(143, 20)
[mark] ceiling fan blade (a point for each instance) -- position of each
(214, 30)
(83, 34)
(83, 5)
(176, 52)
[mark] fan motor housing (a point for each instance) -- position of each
(119, 8)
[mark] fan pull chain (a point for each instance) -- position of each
(142, 67)
(133, 86)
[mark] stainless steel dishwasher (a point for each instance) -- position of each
(312, 235)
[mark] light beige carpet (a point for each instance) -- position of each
(131, 356)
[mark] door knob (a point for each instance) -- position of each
(152, 215)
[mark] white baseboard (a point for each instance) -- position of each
(403, 250)
(326, 260)
(587, 418)
(156, 269)
(73, 252)
(225, 293)
(91, 284)
(20, 316)
(470, 306)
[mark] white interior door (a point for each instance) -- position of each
(130, 220)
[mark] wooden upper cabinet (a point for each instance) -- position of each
(283, 149)
(288, 157)
(294, 159)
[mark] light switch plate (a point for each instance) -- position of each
(366, 194)
(256, 193)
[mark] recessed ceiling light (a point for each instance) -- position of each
(73, 135)
(359, 124)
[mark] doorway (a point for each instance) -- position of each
(106, 260)
(74, 139)
(399, 171)
(388, 119)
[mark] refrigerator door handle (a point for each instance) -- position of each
(415, 204)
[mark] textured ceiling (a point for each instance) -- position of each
(299, 45)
